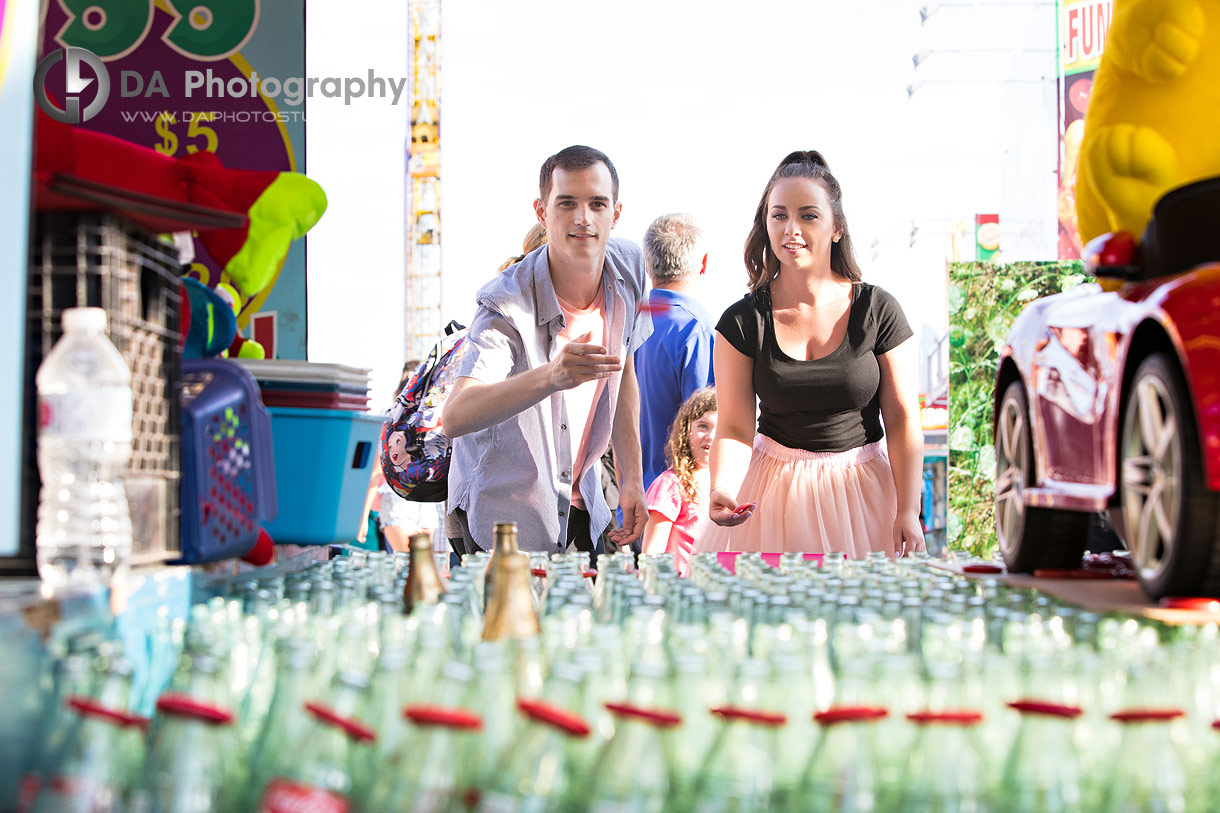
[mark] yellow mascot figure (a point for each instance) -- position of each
(1153, 122)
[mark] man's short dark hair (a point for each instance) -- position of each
(573, 159)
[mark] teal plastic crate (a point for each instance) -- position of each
(323, 460)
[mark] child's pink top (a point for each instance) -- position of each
(666, 497)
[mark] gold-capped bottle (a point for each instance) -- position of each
(424, 585)
(506, 545)
(510, 610)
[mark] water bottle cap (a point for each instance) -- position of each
(84, 319)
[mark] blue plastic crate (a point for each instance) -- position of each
(323, 460)
(228, 486)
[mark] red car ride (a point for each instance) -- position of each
(1108, 398)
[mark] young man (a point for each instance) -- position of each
(549, 376)
(677, 358)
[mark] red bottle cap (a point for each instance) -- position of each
(757, 716)
(88, 707)
(425, 714)
(1078, 573)
(555, 716)
(850, 714)
(1146, 715)
(658, 717)
(955, 717)
(982, 567)
(350, 726)
(1041, 707)
(1198, 603)
(181, 705)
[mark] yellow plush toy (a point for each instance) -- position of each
(1153, 122)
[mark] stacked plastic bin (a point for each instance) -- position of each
(325, 447)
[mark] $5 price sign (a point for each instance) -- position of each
(195, 129)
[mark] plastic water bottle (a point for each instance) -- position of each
(84, 443)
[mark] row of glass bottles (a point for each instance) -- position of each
(315, 688)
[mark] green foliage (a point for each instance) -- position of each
(984, 300)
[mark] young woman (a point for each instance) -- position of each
(828, 357)
(677, 499)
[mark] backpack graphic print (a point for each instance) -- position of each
(415, 452)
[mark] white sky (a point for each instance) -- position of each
(696, 101)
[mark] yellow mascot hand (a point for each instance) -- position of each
(1128, 167)
(1157, 40)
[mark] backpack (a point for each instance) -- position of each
(415, 453)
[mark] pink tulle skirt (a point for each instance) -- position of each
(812, 502)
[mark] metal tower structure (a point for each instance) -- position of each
(423, 300)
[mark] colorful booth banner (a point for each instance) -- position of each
(1083, 25)
(225, 77)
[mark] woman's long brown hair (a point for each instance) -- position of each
(761, 263)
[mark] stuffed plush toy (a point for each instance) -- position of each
(1153, 115)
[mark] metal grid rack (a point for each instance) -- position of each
(100, 260)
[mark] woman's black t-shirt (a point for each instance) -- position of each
(831, 404)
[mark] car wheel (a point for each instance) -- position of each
(1169, 514)
(1029, 538)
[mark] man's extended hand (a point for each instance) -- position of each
(635, 515)
(579, 362)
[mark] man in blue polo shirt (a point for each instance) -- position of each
(676, 359)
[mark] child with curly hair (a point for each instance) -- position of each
(677, 499)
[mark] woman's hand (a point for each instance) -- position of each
(722, 509)
(908, 535)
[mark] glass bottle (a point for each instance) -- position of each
(932, 780)
(1041, 772)
(190, 766)
(536, 774)
(738, 774)
(314, 773)
(71, 677)
(493, 698)
(424, 585)
(844, 770)
(510, 611)
(695, 694)
(430, 773)
(1151, 774)
(506, 545)
(791, 695)
(286, 721)
(634, 770)
(1042, 769)
(386, 699)
(96, 766)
